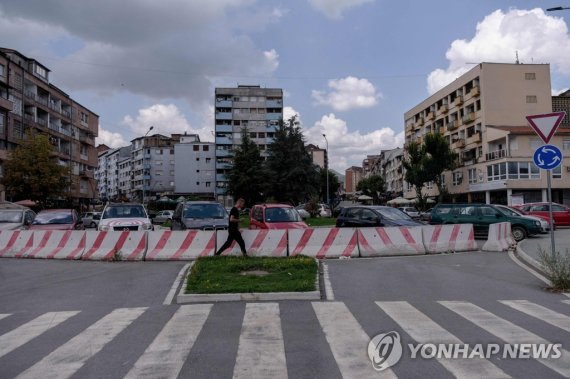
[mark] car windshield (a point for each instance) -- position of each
(53, 218)
(510, 211)
(205, 211)
(11, 216)
(393, 214)
(281, 215)
(124, 211)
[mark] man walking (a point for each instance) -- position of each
(233, 229)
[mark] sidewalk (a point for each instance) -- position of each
(532, 245)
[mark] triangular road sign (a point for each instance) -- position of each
(546, 124)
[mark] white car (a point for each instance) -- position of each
(162, 216)
(124, 217)
(324, 210)
(302, 212)
(411, 211)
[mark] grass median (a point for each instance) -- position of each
(252, 274)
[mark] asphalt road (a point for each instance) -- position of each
(425, 298)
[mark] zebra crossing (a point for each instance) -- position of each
(261, 349)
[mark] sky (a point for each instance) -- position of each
(349, 69)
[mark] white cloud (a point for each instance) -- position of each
(536, 36)
(348, 93)
(334, 9)
(110, 139)
(348, 148)
(289, 112)
(556, 92)
(272, 59)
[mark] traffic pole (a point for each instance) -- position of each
(549, 190)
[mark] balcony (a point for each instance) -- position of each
(457, 144)
(496, 155)
(475, 138)
(224, 141)
(453, 125)
(224, 116)
(223, 103)
(409, 128)
(458, 100)
(431, 115)
(443, 109)
(469, 117)
(475, 91)
(273, 116)
(6, 104)
(224, 128)
(419, 122)
(223, 153)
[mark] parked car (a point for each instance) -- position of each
(91, 219)
(481, 216)
(16, 219)
(411, 211)
(374, 216)
(57, 219)
(544, 224)
(275, 216)
(560, 213)
(162, 216)
(302, 212)
(124, 217)
(426, 215)
(203, 215)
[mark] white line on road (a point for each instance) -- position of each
(179, 277)
(71, 356)
(533, 272)
(4, 315)
(347, 340)
(547, 315)
(327, 281)
(424, 330)
(31, 330)
(261, 350)
(167, 353)
(508, 332)
(566, 301)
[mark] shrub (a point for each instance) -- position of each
(557, 268)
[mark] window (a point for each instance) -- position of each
(472, 176)
(566, 144)
(208, 184)
(41, 71)
(2, 70)
(457, 178)
(497, 172)
(557, 173)
(197, 183)
(429, 185)
(84, 117)
(158, 172)
(208, 160)
(531, 99)
(2, 123)
(530, 76)
(196, 148)
(205, 148)
(158, 163)
(523, 170)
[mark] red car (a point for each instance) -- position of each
(560, 213)
(275, 216)
(57, 219)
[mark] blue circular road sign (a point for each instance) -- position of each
(547, 157)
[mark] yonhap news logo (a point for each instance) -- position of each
(386, 349)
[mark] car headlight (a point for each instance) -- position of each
(537, 223)
(147, 226)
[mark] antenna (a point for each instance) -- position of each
(517, 55)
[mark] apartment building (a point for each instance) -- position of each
(195, 173)
(318, 155)
(30, 102)
(111, 173)
(482, 114)
(353, 175)
(561, 103)
(391, 170)
(369, 163)
(245, 108)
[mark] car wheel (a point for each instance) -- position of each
(92, 225)
(519, 233)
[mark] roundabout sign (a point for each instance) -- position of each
(547, 157)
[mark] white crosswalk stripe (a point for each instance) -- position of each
(261, 350)
(423, 330)
(71, 356)
(25, 333)
(165, 356)
(4, 315)
(507, 331)
(542, 313)
(347, 340)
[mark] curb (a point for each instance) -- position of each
(183, 298)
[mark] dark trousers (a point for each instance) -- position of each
(233, 236)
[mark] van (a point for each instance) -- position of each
(481, 216)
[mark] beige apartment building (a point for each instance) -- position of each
(482, 113)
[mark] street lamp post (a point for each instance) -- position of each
(327, 167)
(144, 168)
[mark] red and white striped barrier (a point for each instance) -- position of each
(115, 246)
(258, 243)
(323, 242)
(447, 238)
(500, 237)
(55, 244)
(164, 245)
(378, 242)
(13, 242)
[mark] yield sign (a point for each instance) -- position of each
(546, 124)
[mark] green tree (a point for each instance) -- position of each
(247, 177)
(439, 158)
(372, 186)
(33, 172)
(292, 175)
(416, 174)
(334, 184)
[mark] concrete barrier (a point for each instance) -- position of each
(449, 238)
(115, 246)
(258, 242)
(378, 242)
(165, 245)
(13, 242)
(55, 244)
(500, 237)
(323, 242)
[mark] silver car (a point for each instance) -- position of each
(162, 216)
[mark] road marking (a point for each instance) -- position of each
(27, 332)
(347, 340)
(167, 353)
(424, 330)
(547, 315)
(508, 332)
(4, 315)
(327, 281)
(71, 356)
(536, 274)
(261, 350)
(176, 284)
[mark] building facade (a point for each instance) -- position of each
(561, 103)
(391, 170)
(29, 102)
(482, 114)
(195, 171)
(369, 164)
(252, 109)
(318, 155)
(353, 175)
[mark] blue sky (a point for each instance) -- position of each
(349, 68)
